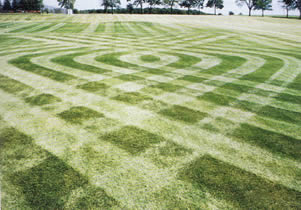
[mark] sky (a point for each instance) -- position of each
(229, 5)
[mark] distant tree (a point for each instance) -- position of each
(113, 4)
(287, 5)
(153, 3)
(231, 13)
(297, 5)
(105, 4)
(219, 4)
(263, 5)
(139, 3)
(130, 8)
(30, 4)
(7, 5)
(191, 4)
(249, 3)
(67, 4)
(15, 5)
(170, 3)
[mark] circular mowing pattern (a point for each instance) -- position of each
(150, 58)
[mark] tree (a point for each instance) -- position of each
(105, 4)
(297, 5)
(1, 6)
(190, 4)
(67, 4)
(287, 5)
(30, 4)
(153, 3)
(250, 4)
(139, 3)
(15, 5)
(263, 5)
(216, 4)
(130, 8)
(110, 4)
(7, 5)
(170, 3)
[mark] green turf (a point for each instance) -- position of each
(93, 86)
(132, 97)
(132, 139)
(243, 189)
(149, 58)
(42, 99)
(149, 112)
(183, 114)
(78, 114)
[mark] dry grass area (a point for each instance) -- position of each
(150, 112)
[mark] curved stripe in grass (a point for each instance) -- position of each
(68, 60)
(24, 63)
(229, 62)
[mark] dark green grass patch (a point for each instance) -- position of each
(24, 63)
(24, 28)
(218, 99)
(193, 79)
(93, 86)
(243, 189)
(296, 84)
(269, 140)
(167, 87)
(155, 71)
(13, 86)
(100, 28)
(184, 114)
(280, 114)
(72, 28)
(149, 58)
(68, 60)
(45, 185)
(289, 98)
(43, 28)
(42, 99)
(132, 97)
(112, 59)
(129, 77)
(172, 149)
(78, 114)
(132, 139)
(95, 198)
(184, 60)
(229, 62)
(270, 67)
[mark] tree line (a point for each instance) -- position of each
(111, 5)
(24, 5)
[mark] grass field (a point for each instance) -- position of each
(150, 112)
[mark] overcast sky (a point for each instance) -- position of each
(229, 6)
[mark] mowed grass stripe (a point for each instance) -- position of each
(241, 188)
(68, 60)
(24, 63)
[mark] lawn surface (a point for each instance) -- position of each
(150, 112)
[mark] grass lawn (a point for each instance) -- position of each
(149, 112)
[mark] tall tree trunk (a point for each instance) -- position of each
(262, 13)
(141, 7)
(286, 12)
(188, 10)
(300, 13)
(214, 9)
(112, 10)
(250, 11)
(171, 9)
